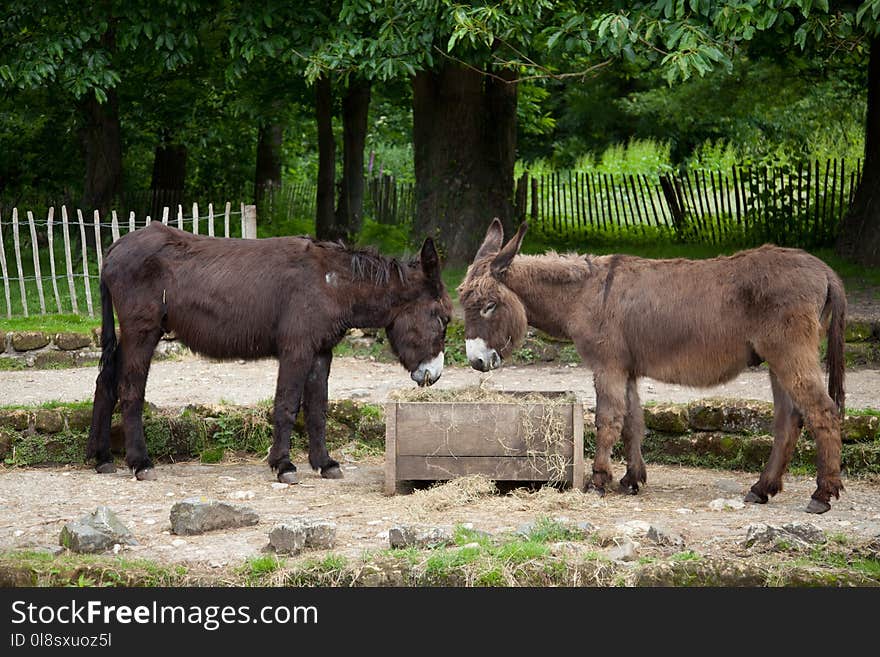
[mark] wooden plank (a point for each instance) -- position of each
(249, 222)
(96, 224)
(86, 282)
(226, 219)
(114, 225)
(510, 468)
(66, 232)
(831, 221)
(211, 220)
(35, 252)
(165, 215)
(636, 215)
(480, 429)
(17, 247)
(577, 438)
(50, 227)
(180, 217)
(5, 272)
(131, 223)
(391, 448)
(195, 218)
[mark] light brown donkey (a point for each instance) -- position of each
(692, 322)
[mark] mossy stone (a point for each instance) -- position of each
(29, 340)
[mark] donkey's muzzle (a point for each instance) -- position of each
(428, 372)
(486, 362)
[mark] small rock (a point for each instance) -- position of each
(632, 527)
(17, 533)
(684, 511)
(288, 538)
(95, 532)
(795, 534)
(663, 536)
(29, 340)
(242, 495)
(196, 516)
(721, 504)
(470, 546)
(626, 551)
(70, 341)
(320, 534)
(402, 536)
(359, 393)
(806, 532)
(277, 485)
(178, 542)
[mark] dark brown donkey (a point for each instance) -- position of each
(288, 297)
(697, 323)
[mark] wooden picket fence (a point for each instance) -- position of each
(34, 246)
(802, 206)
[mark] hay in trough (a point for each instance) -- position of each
(480, 394)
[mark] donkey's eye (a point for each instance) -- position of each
(488, 309)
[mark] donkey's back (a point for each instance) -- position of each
(701, 322)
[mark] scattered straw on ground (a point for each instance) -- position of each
(452, 494)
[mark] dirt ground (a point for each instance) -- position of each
(35, 503)
(195, 380)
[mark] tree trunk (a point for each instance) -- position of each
(350, 208)
(859, 237)
(102, 147)
(464, 137)
(169, 177)
(324, 217)
(268, 172)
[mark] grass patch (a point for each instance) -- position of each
(51, 324)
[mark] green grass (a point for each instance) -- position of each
(50, 324)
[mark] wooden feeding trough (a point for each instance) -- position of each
(519, 436)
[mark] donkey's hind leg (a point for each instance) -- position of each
(137, 351)
(787, 425)
(633, 434)
(292, 372)
(315, 410)
(106, 394)
(610, 413)
(804, 385)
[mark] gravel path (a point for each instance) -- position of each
(193, 379)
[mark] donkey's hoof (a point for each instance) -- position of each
(288, 477)
(629, 489)
(817, 506)
(752, 498)
(598, 490)
(333, 472)
(147, 474)
(105, 468)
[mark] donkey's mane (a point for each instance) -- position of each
(367, 264)
(557, 268)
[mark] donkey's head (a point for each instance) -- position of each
(417, 334)
(494, 317)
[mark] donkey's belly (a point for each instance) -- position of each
(701, 369)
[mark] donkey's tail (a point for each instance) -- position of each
(106, 386)
(108, 328)
(835, 305)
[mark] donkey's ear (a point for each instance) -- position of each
(493, 240)
(505, 256)
(430, 261)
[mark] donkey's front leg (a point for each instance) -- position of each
(292, 371)
(315, 409)
(633, 434)
(610, 411)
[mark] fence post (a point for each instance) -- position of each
(5, 272)
(35, 252)
(50, 229)
(18, 261)
(249, 222)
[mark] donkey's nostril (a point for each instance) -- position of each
(494, 360)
